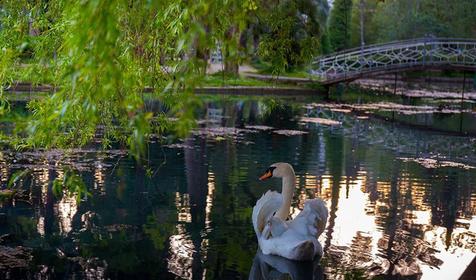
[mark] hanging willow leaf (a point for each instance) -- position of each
(17, 177)
(70, 184)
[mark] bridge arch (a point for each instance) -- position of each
(398, 56)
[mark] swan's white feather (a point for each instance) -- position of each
(299, 241)
(264, 209)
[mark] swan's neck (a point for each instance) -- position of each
(287, 192)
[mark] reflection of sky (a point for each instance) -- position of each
(358, 221)
(182, 202)
(351, 215)
(43, 177)
(182, 248)
(4, 171)
(455, 259)
(181, 253)
(99, 177)
(209, 205)
(204, 246)
(181, 244)
(40, 226)
(66, 208)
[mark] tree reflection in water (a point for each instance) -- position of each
(390, 216)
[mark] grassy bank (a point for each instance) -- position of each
(220, 80)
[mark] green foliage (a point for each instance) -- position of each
(219, 79)
(291, 33)
(325, 44)
(392, 20)
(367, 8)
(71, 184)
(18, 176)
(101, 55)
(399, 20)
(277, 47)
(339, 25)
(68, 183)
(158, 232)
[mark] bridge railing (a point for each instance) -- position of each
(350, 64)
(397, 42)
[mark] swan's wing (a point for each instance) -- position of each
(312, 219)
(300, 240)
(265, 207)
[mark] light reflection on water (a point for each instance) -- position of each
(388, 215)
(99, 177)
(181, 253)
(357, 236)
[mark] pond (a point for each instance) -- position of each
(398, 178)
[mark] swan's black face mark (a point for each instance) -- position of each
(267, 174)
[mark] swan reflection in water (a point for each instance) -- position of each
(275, 267)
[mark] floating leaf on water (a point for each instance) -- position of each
(213, 132)
(341, 110)
(385, 107)
(439, 94)
(287, 132)
(178, 146)
(320, 121)
(433, 163)
(207, 121)
(258, 127)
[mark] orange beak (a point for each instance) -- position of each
(268, 174)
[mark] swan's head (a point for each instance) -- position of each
(277, 170)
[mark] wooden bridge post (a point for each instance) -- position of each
(462, 101)
(395, 85)
(328, 91)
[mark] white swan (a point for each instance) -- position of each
(294, 239)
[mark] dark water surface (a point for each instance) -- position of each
(399, 181)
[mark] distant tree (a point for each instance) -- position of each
(291, 31)
(339, 24)
(405, 19)
(325, 44)
(229, 20)
(363, 22)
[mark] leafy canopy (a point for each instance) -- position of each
(100, 55)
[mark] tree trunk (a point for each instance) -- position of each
(231, 67)
(230, 55)
(202, 54)
(362, 12)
